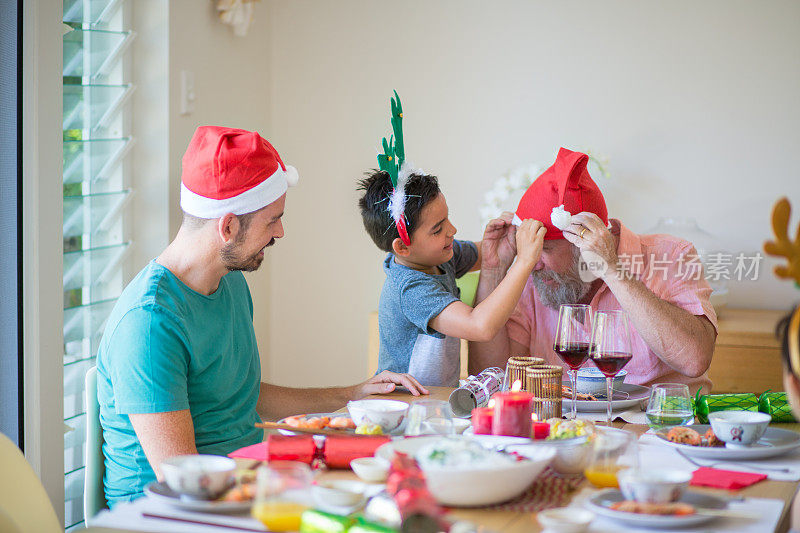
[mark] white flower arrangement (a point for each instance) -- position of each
(508, 189)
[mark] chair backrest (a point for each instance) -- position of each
(94, 496)
(24, 504)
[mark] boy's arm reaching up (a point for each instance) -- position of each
(487, 318)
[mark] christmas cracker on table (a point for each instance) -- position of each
(777, 406)
(710, 403)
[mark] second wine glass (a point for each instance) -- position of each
(572, 342)
(610, 348)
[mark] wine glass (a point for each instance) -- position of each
(430, 417)
(572, 342)
(610, 347)
(670, 405)
(282, 494)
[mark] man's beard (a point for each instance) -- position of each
(570, 287)
(232, 261)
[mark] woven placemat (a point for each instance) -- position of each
(548, 491)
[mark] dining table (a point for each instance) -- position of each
(517, 522)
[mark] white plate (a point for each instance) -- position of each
(161, 492)
(635, 394)
(599, 504)
(774, 442)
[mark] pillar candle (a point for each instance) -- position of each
(482, 420)
(512, 414)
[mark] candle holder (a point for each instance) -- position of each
(544, 382)
(515, 370)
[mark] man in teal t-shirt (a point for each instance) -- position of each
(178, 365)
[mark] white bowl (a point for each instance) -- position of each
(204, 477)
(473, 485)
(592, 381)
(572, 456)
(371, 469)
(460, 425)
(565, 519)
(388, 414)
(739, 428)
(653, 485)
(339, 493)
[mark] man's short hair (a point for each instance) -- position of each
(374, 205)
(193, 223)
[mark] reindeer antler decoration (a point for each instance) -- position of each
(783, 246)
(393, 161)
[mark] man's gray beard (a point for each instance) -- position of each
(570, 289)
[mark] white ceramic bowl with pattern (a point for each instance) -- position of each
(739, 429)
(388, 414)
(653, 485)
(203, 477)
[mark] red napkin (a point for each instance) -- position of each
(340, 450)
(724, 479)
(280, 448)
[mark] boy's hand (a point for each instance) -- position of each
(530, 239)
(386, 382)
(499, 247)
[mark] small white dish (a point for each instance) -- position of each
(388, 414)
(202, 477)
(338, 493)
(592, 381)
(565, 520)
(653, 485)
(460, 425)
(775, 442)
(739, 429)
(371, 469)
(160, 491)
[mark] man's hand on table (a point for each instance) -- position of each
(386, 382)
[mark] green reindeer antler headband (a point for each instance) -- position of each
(393, 162)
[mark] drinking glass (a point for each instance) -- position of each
(572, 342)
(430, 417)
(610, 347)
(670, 405)
(282, 494)
(612, 450)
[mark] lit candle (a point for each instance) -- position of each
(512, 412)
(482, 419)
(541, 430)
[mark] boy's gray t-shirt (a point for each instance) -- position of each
(409, 300)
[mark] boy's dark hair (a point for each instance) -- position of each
(374, 205)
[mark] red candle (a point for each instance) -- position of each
(541, 430)
(482, 420)
(512, 414)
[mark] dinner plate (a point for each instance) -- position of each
(626, 396)
(774, 442)
(599, 503)
(160, 491)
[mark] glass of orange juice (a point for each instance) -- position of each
(613, 450)
(283, 492)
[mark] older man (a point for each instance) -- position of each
(655, 279)
(178, 365)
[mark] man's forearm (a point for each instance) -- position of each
(682, 340)
(275, 402)
(494, 352)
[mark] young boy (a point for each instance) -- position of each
(420, 316)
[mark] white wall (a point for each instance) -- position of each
(232, 86)
(695, 104)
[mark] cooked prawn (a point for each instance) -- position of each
(684, 435)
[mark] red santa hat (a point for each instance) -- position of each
(566, 184)
(228, 170)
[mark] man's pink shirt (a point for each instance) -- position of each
(664, 264)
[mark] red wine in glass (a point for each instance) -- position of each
(573, 354)
(611, 363)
